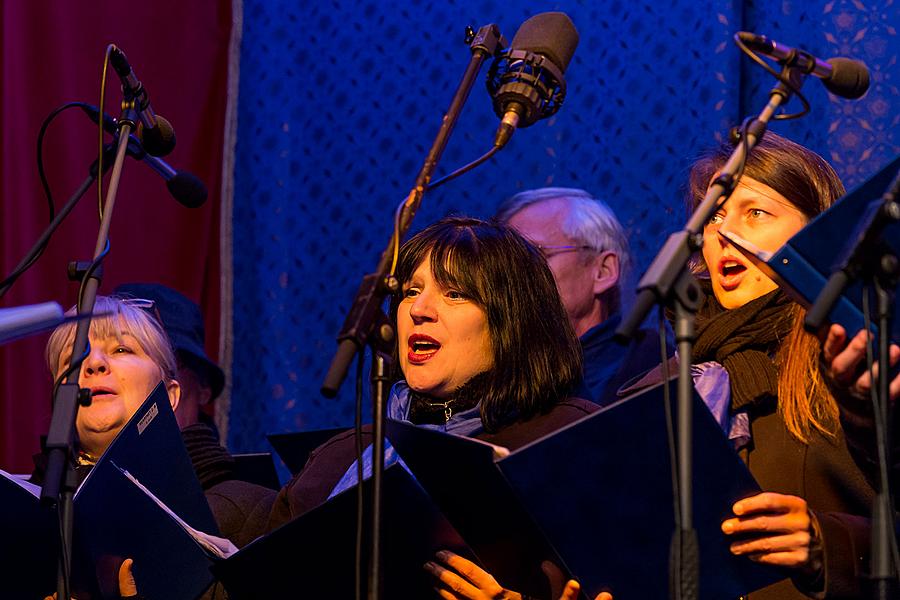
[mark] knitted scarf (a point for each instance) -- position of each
(744, 341)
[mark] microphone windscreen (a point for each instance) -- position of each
(187, 189)
(849, 78)
(160, 140)
(551, 34)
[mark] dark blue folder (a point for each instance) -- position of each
(114, 520)
(594, 497)
(29, 545)
(806, 261)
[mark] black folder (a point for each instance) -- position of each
(258, 468)
(806, 261)
(594, 497)
(294, 448)
(115, 520)
(29, 544)
(313, 556)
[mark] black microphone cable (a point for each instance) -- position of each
(781, 78)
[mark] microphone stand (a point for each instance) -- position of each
(135, 150)
(61, 481)
(366, 323)
(668, 282)
(868, 257)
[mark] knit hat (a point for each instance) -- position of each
(183, 323)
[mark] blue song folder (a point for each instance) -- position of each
(115, 519)
(803, 265)
(594, 497)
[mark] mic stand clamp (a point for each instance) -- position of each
(668, 282)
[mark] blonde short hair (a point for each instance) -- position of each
(120, 316)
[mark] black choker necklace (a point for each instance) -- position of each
(428, 410)
(446, 406)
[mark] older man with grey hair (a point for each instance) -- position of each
(586, 248)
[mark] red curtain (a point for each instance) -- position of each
(51, 52)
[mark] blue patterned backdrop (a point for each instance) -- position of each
(340, 100)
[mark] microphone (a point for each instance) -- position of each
(22, 321)
(158, 135)
(185, 187)
(842, 77)
(526, 81)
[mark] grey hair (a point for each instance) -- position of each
(589, 221)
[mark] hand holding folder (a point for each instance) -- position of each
(127, 585)
(465, 579)
(594, 498)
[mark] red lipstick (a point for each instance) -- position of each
(421, 348)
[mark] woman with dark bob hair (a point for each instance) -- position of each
(484, 349)
(778, 385)
(535, 361)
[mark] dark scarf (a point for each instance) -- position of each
(744, 340)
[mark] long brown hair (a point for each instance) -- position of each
(811, 185)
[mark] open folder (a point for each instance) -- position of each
(594, 497)
(803, 265)
(142, 500)
(313, 556)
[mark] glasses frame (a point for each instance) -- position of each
(560, 249)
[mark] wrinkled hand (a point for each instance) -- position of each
(775, 529)
(844, 360)
(460, 579)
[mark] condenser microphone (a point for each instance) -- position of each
(158, 136)
(526, 81)
(185, 187)
(842, 77)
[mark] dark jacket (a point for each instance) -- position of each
(608, 365)
(241, 509)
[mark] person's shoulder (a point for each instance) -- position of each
(574, 406)
(241, 509)
(647, 379)
(562, 413)
(324, 468)
(338, 446)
